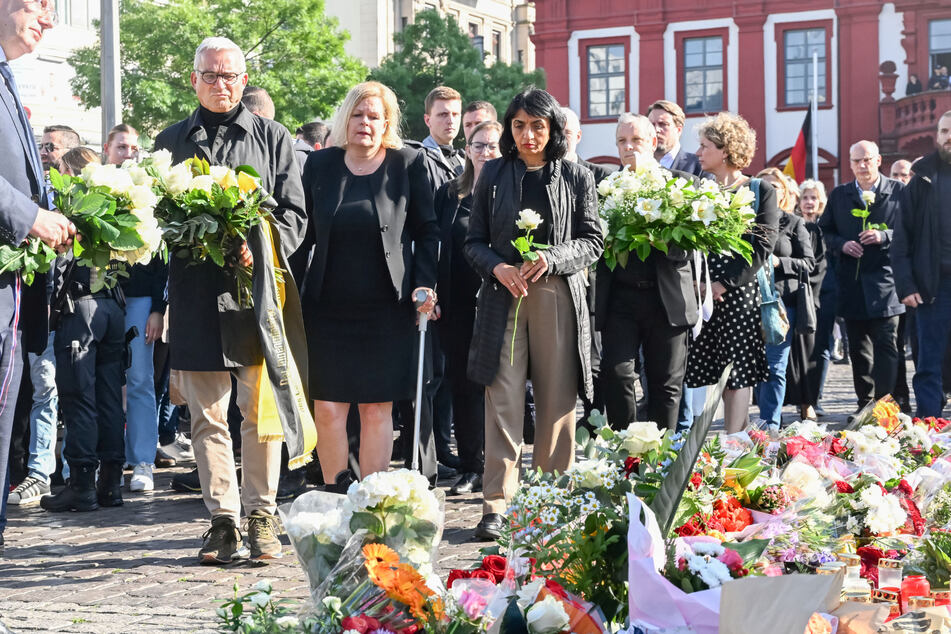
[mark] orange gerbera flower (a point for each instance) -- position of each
(380, 554)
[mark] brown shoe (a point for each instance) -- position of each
(163, 460)
(223, 543)
(262, 529)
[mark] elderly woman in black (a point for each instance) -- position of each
(551, 337)
(375, 239)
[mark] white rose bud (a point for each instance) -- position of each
(547, 616)
(179, 179)
(528, 220)
(868, 197)
(142, 197)
(138, 174)
(639, 438)
(162, 161)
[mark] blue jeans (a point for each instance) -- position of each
(43, 415)
(141, 431)
(771, 392)
(934, 325)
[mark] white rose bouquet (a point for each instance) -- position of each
(648, 208)
(113, 210)
(208, 211)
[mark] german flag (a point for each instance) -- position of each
(799, 165)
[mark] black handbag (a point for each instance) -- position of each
(805, 307)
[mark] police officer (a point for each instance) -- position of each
(90, 350)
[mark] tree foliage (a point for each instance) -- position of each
(293, 50)
(434, 51)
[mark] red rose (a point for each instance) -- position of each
(482, 574)
(905, 488)
(838, 446)
(496, 564)
(696, 480)
(844, 487)
(361, 623)
(556, 588)
(409, 629)
(457, 574)
(630, 465)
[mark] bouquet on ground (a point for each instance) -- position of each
(113, 211)
(208, 211)
(649, 208)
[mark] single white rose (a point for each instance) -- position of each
(260, 599)
(98, 175)
(587, 474)
(161, 161)
(528, 220)
(262, 586)
(527, 593)
(203, 182)
(142, 197)
(548, 616)
(224, 176)
(138, 175)
(287, 621)
(640, 438)
(178, 179)
(868, 197)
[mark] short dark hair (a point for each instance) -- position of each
(314, 132)
(481, 105)
(257, 100)
(440, 93)
(537, 103)
(70, 137)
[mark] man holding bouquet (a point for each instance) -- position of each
(213, 335)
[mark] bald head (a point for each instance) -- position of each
(901, 171)
(572, 133)
(865, 162)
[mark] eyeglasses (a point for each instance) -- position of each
(210, 77)
(479, 148)
(46, 8)
(49, 146)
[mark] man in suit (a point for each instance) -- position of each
(867, 299)
(22, 185)
(649, 304)
(668, 119)
(212, 337)
(922, 258)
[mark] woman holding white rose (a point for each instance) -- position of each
(532, 318)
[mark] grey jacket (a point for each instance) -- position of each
(576, 244)
(207, 329)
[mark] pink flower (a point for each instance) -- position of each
(473, 604)
(731, 559)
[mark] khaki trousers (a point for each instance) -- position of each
(547, 335)
(207, 395)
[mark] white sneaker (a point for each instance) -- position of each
(180, 449)
(141, 479)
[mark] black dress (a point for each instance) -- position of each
(802, 373)
(360, 337)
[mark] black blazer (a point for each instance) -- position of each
(404, 206)
(794, 249)
(873, 294)
(686, 161)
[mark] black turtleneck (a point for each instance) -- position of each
(211, 121)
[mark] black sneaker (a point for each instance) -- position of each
(262, 530)
(79, 494)
(223, 543)
(290, 485)
(187, 482)
(30, 490)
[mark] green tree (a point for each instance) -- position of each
(434, 51)
(293, 50)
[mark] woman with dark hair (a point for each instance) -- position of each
(914, 85)
(458, 285)
(546, 337)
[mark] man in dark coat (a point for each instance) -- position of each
(867, 299)
(23, 309)
(668, 119)
(922, 260)
(211, 336)
(650, 304)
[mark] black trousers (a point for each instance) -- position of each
(901, 378)
(636, 319)
(90, 347)
(468, 398)
(873, 351)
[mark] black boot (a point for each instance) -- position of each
(109, 487)
(79, 494)
(342, 482)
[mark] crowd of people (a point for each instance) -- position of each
(378, 233)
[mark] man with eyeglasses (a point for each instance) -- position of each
(57, 141)
(23, 309)
(867, 299)
(212, 338)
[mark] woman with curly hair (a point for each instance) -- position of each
(734, 332)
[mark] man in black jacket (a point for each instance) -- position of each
(211, 336)
(443, 118)
(668, 119)
(922, 259)
(867, 299)
(650, 304)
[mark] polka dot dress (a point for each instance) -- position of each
(734, 333)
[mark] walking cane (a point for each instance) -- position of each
(419, 298)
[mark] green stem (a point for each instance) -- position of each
(514, 330)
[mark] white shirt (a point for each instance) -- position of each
(668, 159)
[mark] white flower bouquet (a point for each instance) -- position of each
(648, 208)
(113, 211)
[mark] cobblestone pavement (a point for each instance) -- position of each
(134, 568)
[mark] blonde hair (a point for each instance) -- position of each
(391, 111)
(732, 134)
(819, 188)
(787, 197)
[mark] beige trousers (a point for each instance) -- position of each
(207, 395)
(547, 335)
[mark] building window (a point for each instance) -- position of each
(497, 45)
(606, 80)
(63, 11)
(939, 44)
(475, 38)
(703, 74)
(798, 47)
